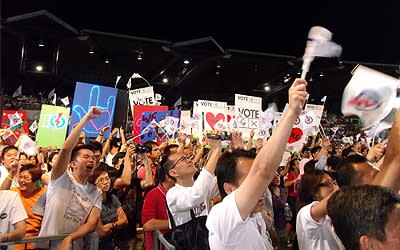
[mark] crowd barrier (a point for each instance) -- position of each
(159, 241)
(92, 239)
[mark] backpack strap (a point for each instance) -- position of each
(171, 218)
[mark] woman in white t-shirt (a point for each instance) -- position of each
(314, 228)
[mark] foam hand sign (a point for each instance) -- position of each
(370, 95)
(88, 95)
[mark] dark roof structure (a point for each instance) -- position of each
(195, 69)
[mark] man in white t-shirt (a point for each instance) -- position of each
(236, 223)
(12, 216)
(72, 204)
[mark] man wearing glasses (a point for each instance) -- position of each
(188, 194)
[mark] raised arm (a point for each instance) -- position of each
(126, 176)
(149, 180)
(182, 141)
(83, 230)
(269, 158)
(100, 135)
(215, 153)
(250, 142)
(389, 175)
(62, 161)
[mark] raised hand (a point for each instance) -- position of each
(297, 95)
(215, 144)
(94, 112)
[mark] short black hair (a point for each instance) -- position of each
(315, 149)
(168, 148)
(361, 211)
(117, 156)
(164, 167)
(76, 150)
(226, 168)
(346, 172)
(150, 144)
(96, 146)
(6, 149)
(347, 151)
(310, 165)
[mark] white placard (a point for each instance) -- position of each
(213, 113)
(143, 96)
(247, 112)
(185, 122)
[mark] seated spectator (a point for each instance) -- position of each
(154, 212)
(75, 202)
(235, 223)
(13, 216)
(313, 227)
(112, 217)
(366, 217)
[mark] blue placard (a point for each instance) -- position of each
(87, 95)
(156, 133)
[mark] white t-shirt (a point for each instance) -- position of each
(181, 199)
(227, 230)
(313, 234)
(68, 204)
(3, 176)
(109, 158)
(11, 211)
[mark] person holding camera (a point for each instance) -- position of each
(153, 153)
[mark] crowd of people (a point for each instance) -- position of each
(329, 195)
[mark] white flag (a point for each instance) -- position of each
(178, 103)
(65, 101)
(17, 92)
(27, 145)
(54, 99)
(319, 44)
(33, 127)
(118, 77)
(323, 99)
(52, 92)
(158, 97)
(15, 119)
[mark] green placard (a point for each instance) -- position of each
(53, 125)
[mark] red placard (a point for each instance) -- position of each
(17, 130)
(137, 117)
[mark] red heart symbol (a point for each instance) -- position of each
(295, 135)
(159, 132)
(212, 120)
(105, 124)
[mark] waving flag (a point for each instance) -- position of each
(319, 44)
(370, 94)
